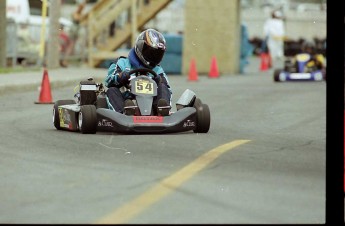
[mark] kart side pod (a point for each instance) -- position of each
(186, 99)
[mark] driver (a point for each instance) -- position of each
(148, 52)
(316, 60)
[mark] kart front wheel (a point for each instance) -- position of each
(276, 75)
(56, 117)
(87, 119)
(203, 117)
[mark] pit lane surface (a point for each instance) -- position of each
(277, 175)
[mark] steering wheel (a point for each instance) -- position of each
(143, 71)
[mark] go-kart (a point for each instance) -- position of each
(296, 69)
(90, 112)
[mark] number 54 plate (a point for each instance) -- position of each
(144, 87)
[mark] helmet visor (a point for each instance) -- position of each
(152, 55)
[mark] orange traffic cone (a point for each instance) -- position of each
(264, 61)
(193, 74)
(214, 73)
(45, 92)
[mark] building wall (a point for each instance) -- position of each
(212, 28)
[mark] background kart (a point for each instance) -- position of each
(91, 114)
(298, 71)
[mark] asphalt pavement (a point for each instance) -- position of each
(54, 176)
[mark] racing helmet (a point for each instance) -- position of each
(277, 14)
(150, 47)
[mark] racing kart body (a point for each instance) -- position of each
(90, 113)
(297, 70)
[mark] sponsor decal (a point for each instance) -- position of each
(65, 118)
(147, 119)
(60, 117)
(161, 45)
(300, 75)
(105, 123)
(188, 123)
(88, 87)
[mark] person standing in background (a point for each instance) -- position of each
(64, 41)
(274, 32)
(246, 48)
(74, 30)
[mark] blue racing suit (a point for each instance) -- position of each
(116, 98)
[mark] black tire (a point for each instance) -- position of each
(203, 117)
(324, 73)
(56, 118)
(288, 65)
(87, 119)
(276, 75)
(197, 102)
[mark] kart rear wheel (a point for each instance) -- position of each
(197, 103)
(56, 118)
(324, 73)
(276, 75)
(203, 117)
(87, 119)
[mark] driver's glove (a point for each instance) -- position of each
(124, 77)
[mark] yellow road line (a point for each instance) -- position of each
(166, 186)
